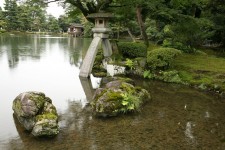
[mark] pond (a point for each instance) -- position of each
(177, 117)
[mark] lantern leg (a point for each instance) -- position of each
(89, 59)
(107, 49)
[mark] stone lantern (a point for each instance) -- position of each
(101, 22)
(101, 34)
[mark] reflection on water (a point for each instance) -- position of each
(177, 117)
(188, 131)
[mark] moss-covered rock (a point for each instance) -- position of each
(106, 80)
(118, 97)
(36, 113)
(27, 104)
(46, 125)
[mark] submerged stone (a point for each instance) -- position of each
(36, 113)
(118, 97)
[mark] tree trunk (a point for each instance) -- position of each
(142, 25)
(131, 35)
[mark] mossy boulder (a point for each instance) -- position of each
(118, 97)
(36, 113)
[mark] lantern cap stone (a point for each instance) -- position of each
(100, 15)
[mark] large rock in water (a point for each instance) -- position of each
(36, 113)
(118, 97)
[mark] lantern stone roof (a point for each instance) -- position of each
(100, 15)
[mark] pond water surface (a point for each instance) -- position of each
(177, 117)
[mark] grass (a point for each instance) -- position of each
(197, 69)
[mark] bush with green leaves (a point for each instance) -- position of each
(161, 58)
(171, 76)
(178, 45)
(132, 49)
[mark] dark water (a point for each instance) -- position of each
(178, 117)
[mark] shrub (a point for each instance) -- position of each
(132, 50)
(171, 76)
(161, 58)
(178, 45)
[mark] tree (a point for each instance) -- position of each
(216, 13)
(11, 11)
(2, 20)
(52, 24)
(63, 23)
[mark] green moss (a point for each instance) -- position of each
(200, 62)
(39, 99)
(50, 116)
(201, 70)
(100, 94)
(114, 96)
(99, 74)
(122, 98)
(127, 80)
(111, 102)
(17, 107)
(127, 87)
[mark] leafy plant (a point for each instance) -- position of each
(148, 74)
(130, 102)
(129, 63)
(171, 76)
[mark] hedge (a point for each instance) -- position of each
(132, 49)
(161, 58)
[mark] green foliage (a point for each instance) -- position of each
(130, 102)
(53, 25)
(187, 33)
(11, 11)
(170, 76)
(215, 12)
(178, 45)
(129, 63)
(87, 29)
(132, 50)
(119, 97)
(166, 76)
(161, 58)
(154, 34)
(98, 70)
(2, 30)
(148, 75)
